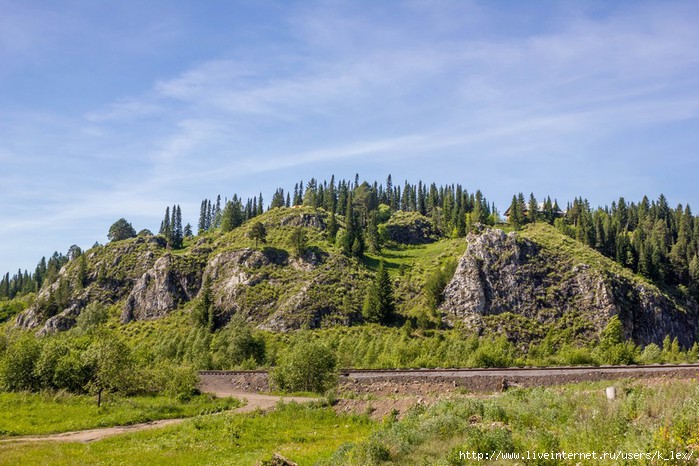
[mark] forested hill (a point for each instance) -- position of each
(648, 237)
(308, 259)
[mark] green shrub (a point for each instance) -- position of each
(237, 346)
(17, 368)
(437, 281)
(308, 367)
(178, 382)
(94, 315)
(652, 354)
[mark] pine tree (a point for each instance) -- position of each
(258, 232)
(277, 199)
(82, 272)
(373, 234)
(532, 209)
(188, 231)
(353, 240)
(203, 313)
(379, 304)
(298, 241)
(177, 233)
(389, 190)
(165, 227)
(332, 228)
(201, 226)
(516, 217)
(227, 217)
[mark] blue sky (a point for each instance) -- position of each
(118, 109)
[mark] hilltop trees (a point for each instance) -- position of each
(171, 227)
(232, 216)
(353, 240)
(649, 237)
(121, 230)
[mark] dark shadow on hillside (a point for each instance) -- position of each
(276, 255)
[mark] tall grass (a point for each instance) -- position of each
(662, 417)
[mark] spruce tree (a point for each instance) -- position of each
(332, 228)
(329, 197)
(298, 193)
(389, 190)
(373, 234)
(379, 305)
(532, 209)
(277, 199)
(515, 217)
(188, 231)
(6, 285)
(82, 271)
(201, 226)
(165, 226)
(227, 217)
(203, 313)
(177, 233)
(353, 240)
(216, 220)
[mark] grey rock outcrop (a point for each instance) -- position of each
(232, 272)
(171, 281)
(502, 273)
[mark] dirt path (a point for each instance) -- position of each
(254, 401)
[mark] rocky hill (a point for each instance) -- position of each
(268, 285)
(520, 284)
(544, 277)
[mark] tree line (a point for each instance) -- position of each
(649, 237)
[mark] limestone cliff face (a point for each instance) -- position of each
(280, 293)
(508, 273)
(171, 281)
(111, 272)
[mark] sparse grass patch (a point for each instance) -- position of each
(45, 413)
(305, 434)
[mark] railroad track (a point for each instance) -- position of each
(465, 372)
(482, 380)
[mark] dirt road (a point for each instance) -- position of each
(253, 402)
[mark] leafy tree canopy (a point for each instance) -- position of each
(121, 230)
